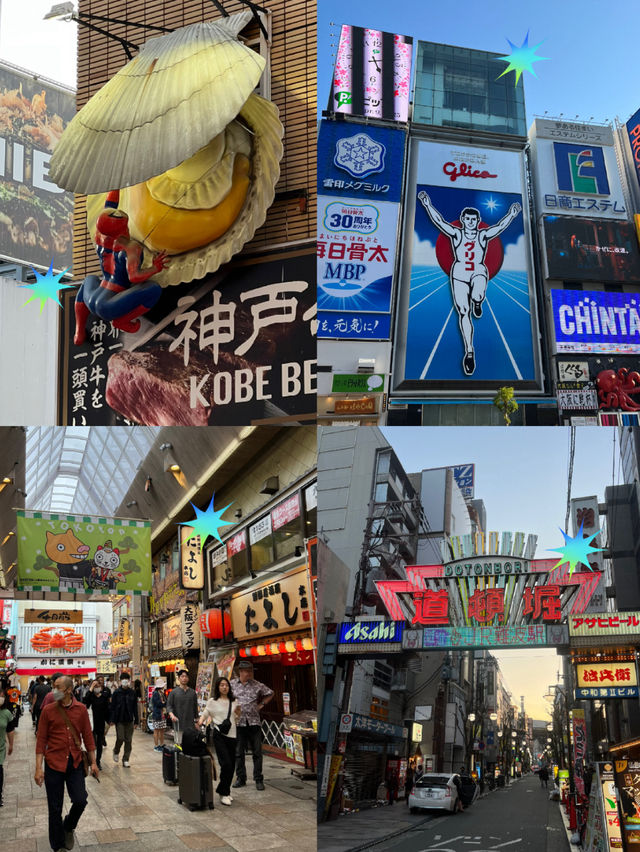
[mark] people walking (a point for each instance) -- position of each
(223, 710)
(392, 787)
(64, 722)
(182, 706)
(252, 696)
(41, 689)
(97, 700)
(408, 783)
(543, 775)
(123, 713)
(7, 724)
(158, 707)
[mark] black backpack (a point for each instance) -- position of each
(193, 743)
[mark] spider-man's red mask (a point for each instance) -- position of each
(113, 223)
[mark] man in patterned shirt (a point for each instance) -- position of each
(252, 696)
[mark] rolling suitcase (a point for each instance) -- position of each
(195, 781)
(170, 764)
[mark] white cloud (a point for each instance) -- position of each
(424, 253)
(515, 256)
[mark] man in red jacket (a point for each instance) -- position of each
(59, 760)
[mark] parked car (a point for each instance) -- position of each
(434, 790)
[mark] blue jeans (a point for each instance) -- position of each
(54, 782)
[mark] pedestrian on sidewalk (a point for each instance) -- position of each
(158, 707)
(408, 784)
(543, 775)
(457, 782)
(123, 713)
(182, 707)
(7, 725)
(97, 700)
(252, 696)
(223, 710)
(59, 760)
(42, 689)
(392, 787)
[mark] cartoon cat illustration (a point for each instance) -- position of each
(106, 562)
(71, 558)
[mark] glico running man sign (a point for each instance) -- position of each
(468, 303)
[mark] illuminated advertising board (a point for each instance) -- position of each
(486, 637)
(358, 632)
(628, 783)
(372, 74)
(633, 131)
(606, 676)
(610, 624)
(467, 313)
(595, 321)
(575, 170)
(36, 220)
(359, 187)
(610, 798)
(590, 250)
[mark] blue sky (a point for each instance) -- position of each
(590, 45)
(521, 474)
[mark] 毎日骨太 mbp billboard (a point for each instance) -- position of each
(467, 312)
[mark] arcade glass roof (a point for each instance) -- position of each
(83, 469)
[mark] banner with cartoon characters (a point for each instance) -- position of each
(85, 554)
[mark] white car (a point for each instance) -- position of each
(434, 790)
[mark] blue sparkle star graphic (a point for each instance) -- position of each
(575, 550)
(46, 287)
(521, 58)
(207, 523)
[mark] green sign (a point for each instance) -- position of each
(93, 555)
(357, 383)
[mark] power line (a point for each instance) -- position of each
(572, 451)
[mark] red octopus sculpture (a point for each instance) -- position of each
(615, 389)
(69, 640)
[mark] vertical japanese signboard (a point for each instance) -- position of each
(372, 74)
(633, 131)
(628, 787)
(190, 616)
(191, 560)
(359, 188)
(579, 732)
(584, 511)
(233, 348)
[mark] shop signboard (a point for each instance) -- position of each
(106, 667)
(585, 516)
(353, 326)
(357, 383)
(579, 742)
(575, 170)
(610, 624)
(260, 530)
(602, 251)
(167, 594)
(236, 544)
(47, 665)
(36, 226)
(190, 629)
(372, 74)
(285, 512)
(627, 774)
(613, 830)
(585, 693)
(377, 726)
(104, 644)
(606, 674)
(576, 396)
(573, 371)
(191, 560)
(172, 633)
(367, 632)
(204, 683)
(272, 608)
(594, 838)
(467, 315)
(37, 639)
(633, 132)
(231, 348)
(464, 475)
(356, 406)
(94, 555)
(52, 616)
(594, 321)
(416, 732)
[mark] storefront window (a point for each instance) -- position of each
(287, 531)
(261, 543)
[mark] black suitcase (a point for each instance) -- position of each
(170, 764)
(195, 780)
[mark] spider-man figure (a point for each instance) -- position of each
(124, 292)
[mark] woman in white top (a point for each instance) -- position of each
(223, 711)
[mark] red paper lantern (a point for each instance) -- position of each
(243, 652)
(254, 650)
(282, 648)
(299, 645)
(211, 621)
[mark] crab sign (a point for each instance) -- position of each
(67, 640)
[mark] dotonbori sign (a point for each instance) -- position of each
(488, 599)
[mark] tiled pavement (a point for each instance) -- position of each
(131, 810)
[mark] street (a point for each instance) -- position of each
(518, 818)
